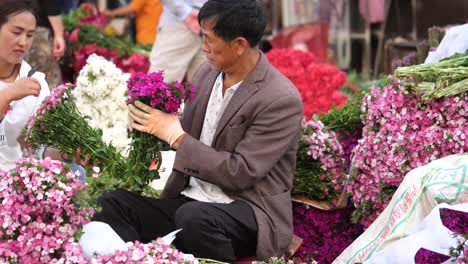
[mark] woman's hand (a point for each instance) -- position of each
(21, 88)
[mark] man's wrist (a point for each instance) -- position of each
(176, 143)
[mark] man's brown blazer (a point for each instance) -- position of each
(253, 154)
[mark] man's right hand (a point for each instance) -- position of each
(23, 87)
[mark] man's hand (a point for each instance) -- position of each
(192, 22)
(23, 87)
(146, 119)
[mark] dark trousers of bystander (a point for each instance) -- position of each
(218, 231)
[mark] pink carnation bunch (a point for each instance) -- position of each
(151, 89)
(155, 252)
(401, 133)
(324, 146)
(56, 97)
(43, 209)
(145, 149)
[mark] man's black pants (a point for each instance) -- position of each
(218, 231)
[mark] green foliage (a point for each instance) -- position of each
(73, 18)
(449, 77)
(307, 181)
(90, 34)
(348, 118)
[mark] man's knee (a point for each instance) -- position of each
(112, 195)
(194, 216)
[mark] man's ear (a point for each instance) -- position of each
(241, 45)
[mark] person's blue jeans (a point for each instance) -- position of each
(78, 168)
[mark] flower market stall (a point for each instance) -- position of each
(369, 162)
(87, 33)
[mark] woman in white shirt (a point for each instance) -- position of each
(21, 89)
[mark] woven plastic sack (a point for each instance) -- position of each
(441, 181)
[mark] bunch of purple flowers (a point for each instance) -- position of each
(152, 90)
(144, 157)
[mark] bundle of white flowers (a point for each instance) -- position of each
(100, 92)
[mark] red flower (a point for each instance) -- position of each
(73, 36)
(133, 64)
(318, 83)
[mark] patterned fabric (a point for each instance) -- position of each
(201, 190)
(41, 59)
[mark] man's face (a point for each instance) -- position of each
(221, 54)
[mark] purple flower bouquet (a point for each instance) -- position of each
(144, 157)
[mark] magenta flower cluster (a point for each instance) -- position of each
(155, 252)
(426, 256)
(42, 212)
(152, 90)
(325, 234)
(401, 133)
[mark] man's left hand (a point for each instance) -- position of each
(146, 119)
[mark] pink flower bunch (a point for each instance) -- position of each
(151, 89)
(401, 133)
(155, 252)
(43, 209)
(318, 83)
(324, 147)
(56, 96)
(325, 234)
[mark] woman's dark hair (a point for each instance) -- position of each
(235, 18)
(12, 7)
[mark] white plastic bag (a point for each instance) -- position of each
(430, 234)
(454, 41)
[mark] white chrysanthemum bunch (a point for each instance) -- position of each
(100, 92)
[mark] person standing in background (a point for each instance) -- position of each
(68, 5)
(177, 50)
(49, 44)
(147, 13)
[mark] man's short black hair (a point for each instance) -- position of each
(235, 18)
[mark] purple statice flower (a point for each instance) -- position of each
(325, 234)
(455, 221)
(426, 256)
